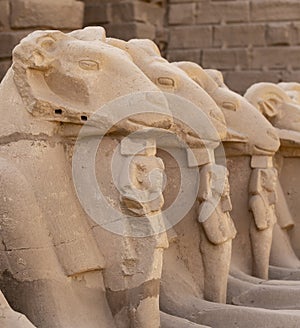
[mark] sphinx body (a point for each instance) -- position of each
(52, 256)
(245, 152)
(278, 103)
(74, 271)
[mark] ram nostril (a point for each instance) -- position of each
(58, 111)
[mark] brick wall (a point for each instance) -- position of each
(20, 17)
(248, 40)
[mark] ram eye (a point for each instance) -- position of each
(229, 105)
(89, 65)
(166, 82)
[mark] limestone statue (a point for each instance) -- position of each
(217, 232)
(275, 104)
(282, 110)
(163, 69)
(245, 152)
(215, 249)
(54, 255)
(262, 205)
(292, 89)
(63, 266)
(52, 88)
(132, 280)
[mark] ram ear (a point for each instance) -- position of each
(267, 98)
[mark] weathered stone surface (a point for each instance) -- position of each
(63, 88)
(182, 55)
(273, 10)
(226, 58)
(275, 58)
(182, 14)
(221, 12)
(190, 37)
(295, 33)
(8, 40)
(96, 13)
(4, 66)
(4, 14)
(54, 14)
(279, 34)
(239, 35)
(127, 31)
(239, 81)
(137, 12)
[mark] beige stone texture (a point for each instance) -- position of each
(262, 202)
(238, 113)
(274, 10)
(4, 14)
(8, 40)
(62, 268)
(182, 14)
(220, 12)
(226, 59)
(34, 13)
(125, 31)
(216, 231)
(171, 79)
(75, 281)
(275, 105)
(239, 35)
(184, 37)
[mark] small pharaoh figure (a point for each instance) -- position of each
(262, 205)
(217, 230)
(144, 239)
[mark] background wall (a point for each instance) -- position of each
(257, 40)
(248, 40)
(20, 17)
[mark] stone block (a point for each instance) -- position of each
(295, 33)
(8, 40)
(184, 55)
(220, 12)
(279, 34)
(4, 66)
(127, 31)
(137, 12)
(275, 10)
(49, 14)
(240, 81)
(225, 59)
(97, 13)
(4, 15)
(291, 76)
(276, 58)
(239, 35)
(184, 1)
(190, 37)
(180, 14)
